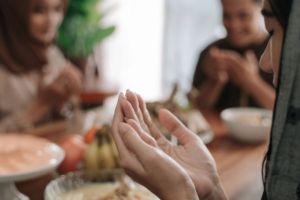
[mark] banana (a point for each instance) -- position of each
(91, 157)
(102, 153)
(106, 159)
(115, 153)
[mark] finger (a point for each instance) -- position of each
(128, 110)
(218, 60)
(133, 99)
(134, 143)
(72, 71)
(222, 77)
(145, 136)
(117, 119)
(153, 129)
(233, 57)
(66, 84)
(58, 88)
(234, 62)
(127, 160)
(175, 127)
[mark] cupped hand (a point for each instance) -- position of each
(147, 164)
(71, 78)
(191, 154)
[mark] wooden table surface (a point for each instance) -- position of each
(239, 165)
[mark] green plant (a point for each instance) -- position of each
(81, 29)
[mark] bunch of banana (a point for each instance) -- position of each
(101, 152)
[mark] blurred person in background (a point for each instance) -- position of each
(227, 73)
(188, 171)
(35, 78)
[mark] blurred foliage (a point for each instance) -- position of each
(81, 29)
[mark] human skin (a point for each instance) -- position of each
(201, 169)
(270, 60)
(147, 164)
(242, 23)
(45, 17)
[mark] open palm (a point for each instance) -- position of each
(191, 154)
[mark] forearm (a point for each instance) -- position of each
(186, 191)
(218, 193)
(209, 94)
(263, 93)
(210, 188)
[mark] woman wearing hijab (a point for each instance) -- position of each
(188, 171)
(35, 78)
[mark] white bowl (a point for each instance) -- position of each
(84, 185)
(251, 125)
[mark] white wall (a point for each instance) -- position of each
(132, 56)
(146, 56)
(190, 26)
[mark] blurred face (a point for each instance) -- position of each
(44, 19)
(241, 20)
(270, 60)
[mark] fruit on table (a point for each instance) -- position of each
(91, 156)
(90, 135)
(101, 152)
(74, 148)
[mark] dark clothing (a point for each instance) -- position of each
(231, 94)
(283, 157)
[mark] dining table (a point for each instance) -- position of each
(239, 164)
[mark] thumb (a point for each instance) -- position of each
(175, 126)
(133, 142)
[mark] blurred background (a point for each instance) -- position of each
(156, 43)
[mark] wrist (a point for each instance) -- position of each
(217, 193)
(185, 190)
(211, 188)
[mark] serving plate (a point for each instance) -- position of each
(24, 157)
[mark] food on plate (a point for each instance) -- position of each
(101, 152)
(110, 191)
(23, 153)
(192, 118)
(255, 120)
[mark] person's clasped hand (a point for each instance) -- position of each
(214, 67)
(242, 70)
(67, 83)
(190, 158)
